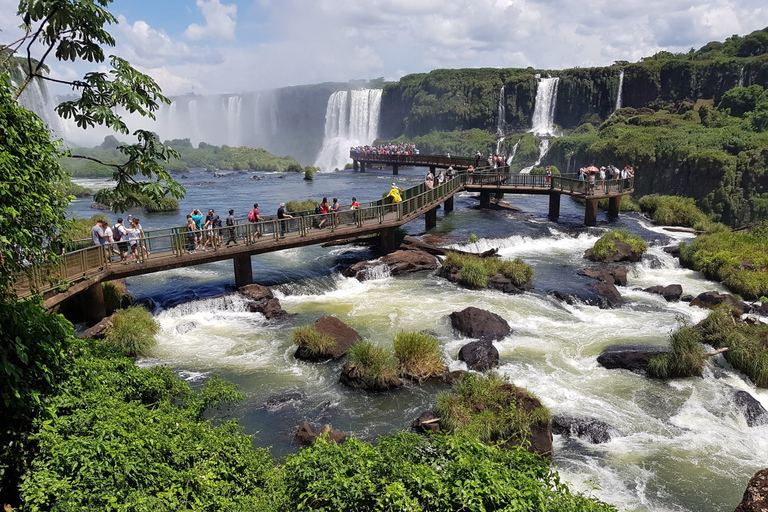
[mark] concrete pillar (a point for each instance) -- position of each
(395, 169)
(613, 206)
(499, 196)
(243, 270)
(430, 219)
(448, 205)
(554, 206)
(432, 169)
(387, 240)
(356, 165)
(92, 301)
(485, 199)
(590, 213)
(362, 166)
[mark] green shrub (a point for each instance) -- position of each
(419, 356)
(116, 295)
(475, 270)
(309, 172)
(673, 211)
(164, 204)
(685, 359)
(307, 206)
(308, 337)
(604, 248)
(373, 364)
(133, 331)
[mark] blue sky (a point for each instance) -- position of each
(221, 46)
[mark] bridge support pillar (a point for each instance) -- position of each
(362, 166)
(448, 205)
(499, 196)
(387, 240)
(356, 165)
(395, 169)
(613, 206)
(485, 199)
(432, 169)
(590, 214)
(430, 219)
(554, 206)
(243, 270)
(92, 302)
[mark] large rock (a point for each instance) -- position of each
(397, 263)
(616, 276)
(622, 252)
(480, 324)
(591, 430)
(634, 358)
(610, 296)
(262, 300)
(343, 335)
(756, 495)
(671, 293)
(540, 438)
(753, 411)
(501, 283)
(307, 434)
(355, 378)
(479, 355)
(712, 300)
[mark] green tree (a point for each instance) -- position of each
(74, 30)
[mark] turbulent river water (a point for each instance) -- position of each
(681, 445)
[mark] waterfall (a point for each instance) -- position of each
(500, 116)
(741, 77)
(351, 119)
(544, 108)
(514, 151)
(543, 148)
(37, 98)
(621, 90)
(233, 120)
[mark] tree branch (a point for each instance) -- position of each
(116, 166)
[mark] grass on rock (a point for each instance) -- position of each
(373, 364)
(685, 359)
(475, 270)
(419, 356)
(605, 248)
(308, 337)
(133, 331)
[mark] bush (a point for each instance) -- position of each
(164, 204)
(475, 270)
(685, 359)
(133, 331)
(308, 337)
(419, 355)
(307, 206)
(373, 364)
(116, 296)
(676, 211)
(605, 248)
(309, 172)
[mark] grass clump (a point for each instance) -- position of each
(307, 206)
(490, 407)
(308, 337)
(164, 204)
(373, 365)
(475, 270)
(605, 248)
(133, 331)
(685, 359)
(678, 211)
(116, 296)
(419, 356)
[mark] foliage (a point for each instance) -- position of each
(738, 259)
(489, 407)
(673, 211)
(543, 170)
(475, 270)
(439, 473)
(133, 331)
(115, 295)
(604, 248)
(309, 172)
(375, 365)
(308, 337)
(307, 206)
(72, 189)
(33, 204)
(686, 357)
(418, 355)
(162, 204)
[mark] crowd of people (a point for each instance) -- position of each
(399, 148)
(123, 239)
(611, 172)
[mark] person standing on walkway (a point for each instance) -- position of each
(142, 245)
(231, 228)
(281, 219)
(100, 237)
(324, 212)
(253, 216)
(197, 218)
(191, 234)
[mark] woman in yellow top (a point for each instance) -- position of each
(395, 194)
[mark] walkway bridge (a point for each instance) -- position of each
(81, 271)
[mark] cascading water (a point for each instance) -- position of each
(233, 120)
(741, 77)
(500, 117)
(514, 151)
(351, 119)
(621, 90)
(543, 148)
(544, 110)
(37, 98)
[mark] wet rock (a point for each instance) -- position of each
(755, 497)
(480, 324)
(671, 293)
(588, 429)
(568, 298)
(652, 261)
(616, 276)
(184, 177)
(99, 206)
(397, 263)
(343, 335)
(185, 327)
(673, 250)
(280, 400)
(427, 422)
(257, 177)
(98, 331)
(712, 300)
(540, 438)
(634, 358)
(752, 410)
(307, 434)
(479, 355)
(262, 300)
(501, 283)
(218, 175)
(622, 252)
(355, 378)
(686, 298)
(609, 295)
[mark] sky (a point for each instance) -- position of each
(232, 46)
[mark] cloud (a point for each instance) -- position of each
(219, 21)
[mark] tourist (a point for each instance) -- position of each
(581, 174)
(429, 181)
(142, 236)
(100, 237)
(197, 217)
(119, 236)
(355, 204)
(191, 233)
(216, 222)
(335, 211)
(133, 235)
(395, 195)
(470, 172)
(231, 228)
(113, 249)
(281, 216)
(208, 229)
(549, 175)
(253, 216)
(323, 211)
(440, 178)
(451, 172)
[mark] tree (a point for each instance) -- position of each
(75, 30)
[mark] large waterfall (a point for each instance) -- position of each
(501, 114)
(621, 90)
(544, 109)
(38, 99)
(351, 119)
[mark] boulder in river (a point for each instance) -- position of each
(262, 300)
(307, 434)
(591, 430)
(397, 263)
(712, 300)
(609, 295)
(356, 378)
(755, 497)
(616, 276)
(634, 358)
(480, 324)
(343, 335)
(622, 251)
(479, 355)
(753, 411)
(671, 293)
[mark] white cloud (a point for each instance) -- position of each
(219, 21)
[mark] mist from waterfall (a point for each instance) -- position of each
(544, 109)
(621, 90)
(38, 99)
(351, 119)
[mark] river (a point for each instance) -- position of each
(682, 445)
